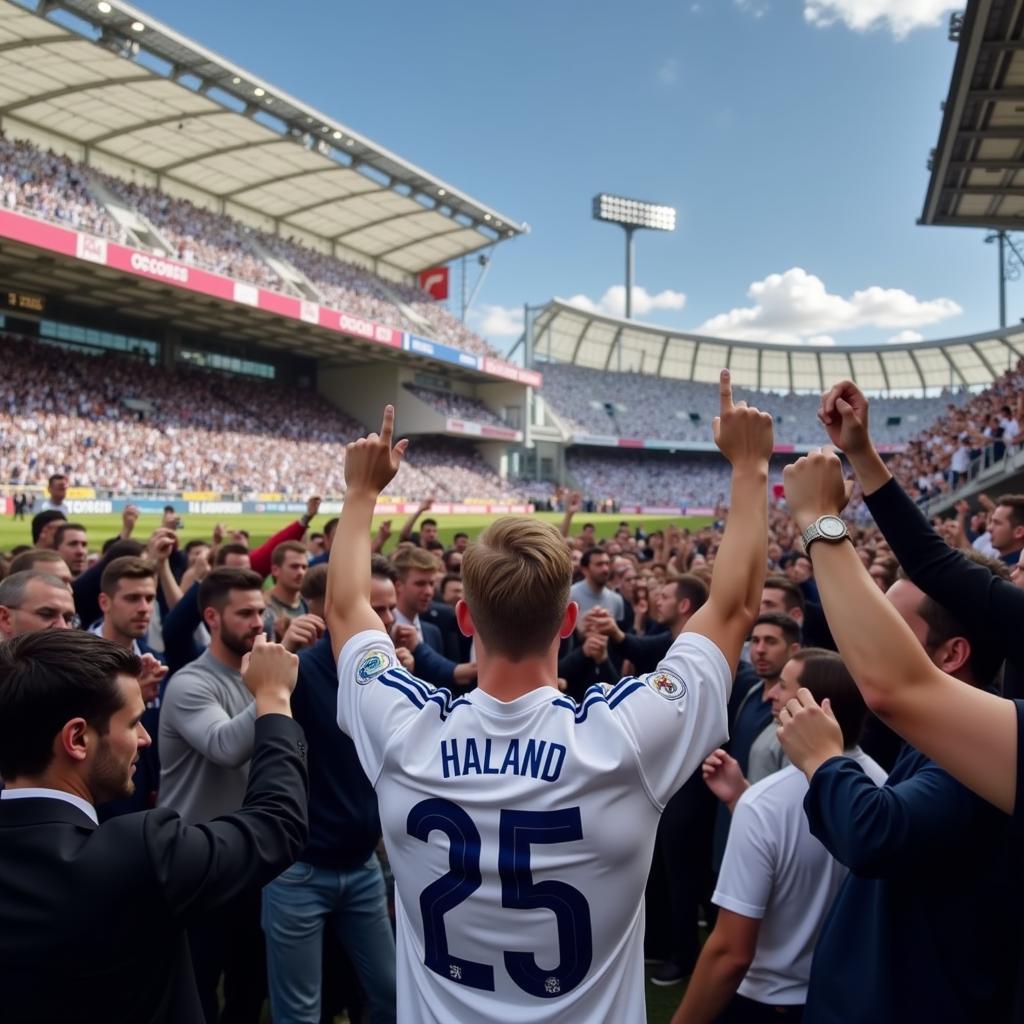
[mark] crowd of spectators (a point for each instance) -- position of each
(639, 405)
(817, 870)
(452, 404)
(56, 188)
(52, 187)
(116, 423)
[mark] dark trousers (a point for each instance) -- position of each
(680, 880)
(229, 942)
(746, 1011)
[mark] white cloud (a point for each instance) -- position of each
(796, 306)
(821, 339)
(668, 73)
(904, 336)
(498, 321)
(900, 17)
(613, 302)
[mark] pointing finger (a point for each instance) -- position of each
(725, 392)
(387, 427)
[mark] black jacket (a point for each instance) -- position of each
(93, 919)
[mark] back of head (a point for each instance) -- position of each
(314, 584)
(48, 678)
(382, 568)
(215, 590)
(516, 580)
(690, 588)
(986, 658)
(825, 675)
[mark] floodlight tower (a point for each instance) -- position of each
(631, 214)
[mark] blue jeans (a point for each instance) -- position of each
(296, 906)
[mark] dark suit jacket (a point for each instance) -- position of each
(92, 919)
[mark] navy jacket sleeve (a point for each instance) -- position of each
(970, 592)
(881, 831)
(179, 626)
(643, 651)
(86, 589)
(435, 668)
(198, 867)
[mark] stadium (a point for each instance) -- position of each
(208, 288)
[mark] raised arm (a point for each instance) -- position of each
(572, 506)
(370, 465)
(971, 733)
(745, 437)
(407, 526)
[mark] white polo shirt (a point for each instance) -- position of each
(774, 870)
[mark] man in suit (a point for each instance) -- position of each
(415, 570)
(93, 917)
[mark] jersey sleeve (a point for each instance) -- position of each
(377, 698)
(675, 715)
(745, 880)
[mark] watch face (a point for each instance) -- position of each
(831, 527)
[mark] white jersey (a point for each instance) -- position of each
(521, 833)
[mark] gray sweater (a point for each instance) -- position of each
(207, 732)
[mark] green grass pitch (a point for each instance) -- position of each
(261, 526)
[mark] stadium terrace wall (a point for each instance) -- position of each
(68, 242)
(657, 444)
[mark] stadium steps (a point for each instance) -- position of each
(294, 279)
(1005, 477)
(138, 230)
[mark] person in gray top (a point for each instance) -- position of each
(207, 737)
(207, 722)
(593, 590)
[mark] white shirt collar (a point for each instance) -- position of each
(52, 794)
(403, 620)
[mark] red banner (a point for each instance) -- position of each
(435, 282)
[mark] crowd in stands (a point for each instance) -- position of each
(819, 845)
(52, 187)
(642, 406)
(56, 188)
(193, 430)
(452, 404)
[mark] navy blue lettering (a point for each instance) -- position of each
(471, 758)
(488, 770)
(511, 762)
(532, 757)
(449, 758)
(552, 771)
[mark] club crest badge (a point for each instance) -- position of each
(372, 665)
(667, 685)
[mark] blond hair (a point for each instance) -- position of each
(516, 580)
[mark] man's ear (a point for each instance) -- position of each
(572, 612)
(104, 603)
(73, 741)
(464, 619)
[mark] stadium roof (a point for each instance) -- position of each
(977, 171)
(114, 81)
(565, 334)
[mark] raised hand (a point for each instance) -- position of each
(313, 506)
(303, 631)
(270, 671)
(844, 414)
(815, 487)
(745, 436)
(129, 517)
(151, 677)
(371, 462)
(160, 544)
(723, 776)
(809, 732)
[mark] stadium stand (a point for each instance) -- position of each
(639, 405)
(55, 188)
(66, 411)
(448, 403)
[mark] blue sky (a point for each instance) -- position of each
(792, 135)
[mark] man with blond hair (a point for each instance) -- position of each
(520, 825)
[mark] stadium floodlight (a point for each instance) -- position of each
(632, 215)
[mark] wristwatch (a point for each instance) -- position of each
(827, 528)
